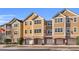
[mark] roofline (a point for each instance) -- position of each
(30, 16)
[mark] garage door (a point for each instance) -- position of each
(72, 41)
(50, 41)
(59, 41)
(29, 42)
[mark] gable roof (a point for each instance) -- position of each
(64, 13)
(15, 19)
(31, 15)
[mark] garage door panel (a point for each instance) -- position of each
(59, 41)
(71, 41)
(50, 41)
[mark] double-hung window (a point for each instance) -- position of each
(75, 19)
(58, 29)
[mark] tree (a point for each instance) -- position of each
(7, 41)
(77, 39)
(20, 41)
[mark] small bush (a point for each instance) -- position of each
(20, 41)
(7, 41)
(77, 39)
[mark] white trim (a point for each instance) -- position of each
(53, 27)
(64, 27)
(71, 12)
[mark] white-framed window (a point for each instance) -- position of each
(25, 31)
(59, 20)
(75, 29)
(49, 31)
(15, 25)
(67, 19)
(58, 29)
(30, 31)
(25, 23)
(75, 19)
(49, 23)
(37, 30)
(15, 32)
(37, 22)
(67, 29)
(30, 22)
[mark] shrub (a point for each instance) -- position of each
(20, 41)
(7, 41)
(77, 39)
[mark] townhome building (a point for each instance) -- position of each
(13, 30)
(33, 29)
(48, 39)
(7, 31)
(65, 27)
(16, 29)
(62, 29)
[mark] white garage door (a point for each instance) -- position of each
(50, 41)
(72, 41)
(59, 41)
(29, 42)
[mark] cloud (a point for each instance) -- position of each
(5, 18)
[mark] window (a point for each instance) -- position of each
(37, 22)
(75, 29)
(68, 29)
(59, 20)
(58, 29)
(30, 23)
(8, 26)
(37, 31)
(49, 32)
(16, 32)
(75, 19)
(49, 23)
(30, 31)
(56, 20)
(15, 25)
(25, 31)
(8, 32)
(67, 19)
(25, 23)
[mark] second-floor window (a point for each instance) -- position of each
(58, 29)
(25, 31)
(25, 23)
(75, 29)
(30, 23)
(8, 32)
(49, 23)
(67, 29)
(49, 31)
(30, 31)
(15, 32)
(37, 22)
(37, 31)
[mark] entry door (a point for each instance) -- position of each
(35, 41)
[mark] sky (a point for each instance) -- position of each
(7, 14)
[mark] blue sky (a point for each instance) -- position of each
(7, 14)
